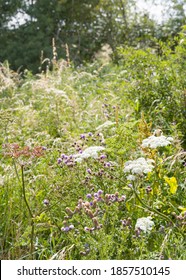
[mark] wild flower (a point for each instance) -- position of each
(89, 195)
(67, 160)
(126, 222)
(88, 152)
(139, 166)
(89, 170)
(95, 195)
(148, 189)
(102, 157)
(100, 192)
(82, 136)
(111, 198)
(107, 164)
(145, 224)
(71, 226)
(46, 202)
(154, 142)
(59, 160)
(15, 151)
(91, 209)
(131, 177)
(67, 228)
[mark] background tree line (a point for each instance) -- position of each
(84, 25)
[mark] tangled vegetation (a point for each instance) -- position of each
(93, 161)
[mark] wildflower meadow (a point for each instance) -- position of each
(93, 159)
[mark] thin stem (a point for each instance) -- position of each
(30, 212)
(24, 193)
(151, 209)
(146, 206)
(164, 242)
(15, 167)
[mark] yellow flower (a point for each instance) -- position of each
(172, 182)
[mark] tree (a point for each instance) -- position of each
(84, 25)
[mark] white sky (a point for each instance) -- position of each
(155, 11)
(159, 11)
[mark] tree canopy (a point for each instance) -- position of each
(84, 25)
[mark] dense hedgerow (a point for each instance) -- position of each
(92, 160)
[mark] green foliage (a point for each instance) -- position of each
(157, 86)
(61, 202)
(85, 27)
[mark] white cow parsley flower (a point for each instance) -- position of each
(131, 177)
(154, 142)
(144, 224)
(88, 152)
(139, 166)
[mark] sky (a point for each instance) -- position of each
(155, 11)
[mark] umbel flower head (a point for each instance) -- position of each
(88, 152)
(145, 224)
(154, 142)
(139, 166)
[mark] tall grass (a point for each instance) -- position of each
(60, 200)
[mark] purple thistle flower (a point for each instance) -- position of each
(65, 229)
(89, 195)
(63, 156)
(46, 202)
(82, 136)
(138, 232)
(89, 171)
(124, 222)
(100, 192)
(59, 160)
(71, 227)
(102, 156)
